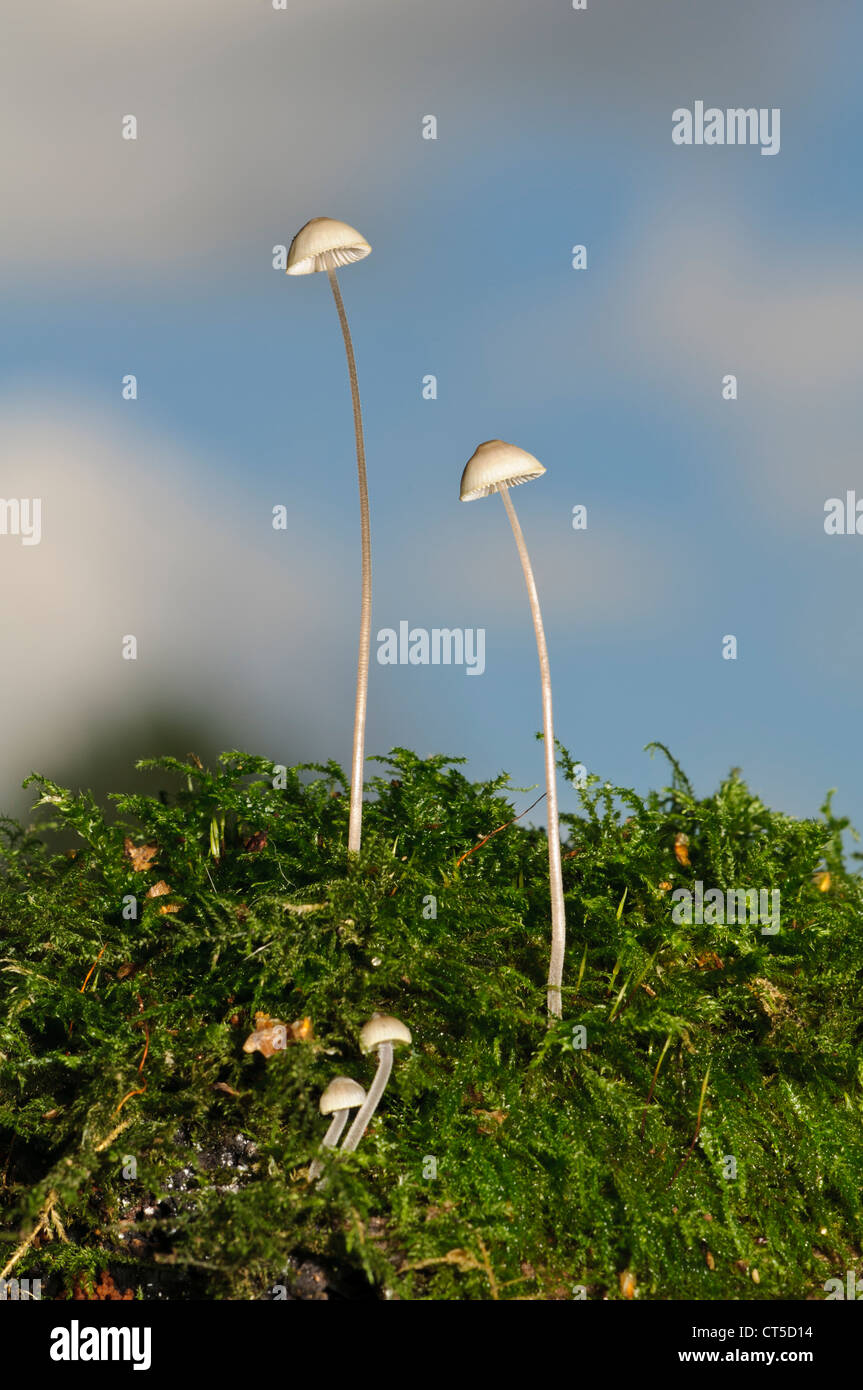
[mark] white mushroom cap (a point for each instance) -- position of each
(383, 1028)
(343, 1093)
(324, 244)
(494, 463)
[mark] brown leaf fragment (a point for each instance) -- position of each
(769, 995)
(158, 890)
(141, 856)
(161, 890)
(302, 1030)
(498, 1116)
(710, 961)
(681, 849)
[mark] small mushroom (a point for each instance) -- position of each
(325, 244)
(496, 467)
(378, 1035)
(341, 1096)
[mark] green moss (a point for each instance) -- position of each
(551, 1170)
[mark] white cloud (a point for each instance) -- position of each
(251, 119)
(468, 572)
(137, 539)
(709, 294)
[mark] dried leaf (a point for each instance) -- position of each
(142, 856)
(256, 842)
(711, 1263)
(158, 890)
(223, 1086)
(498, 1116)
(769, 996)
(710, 961)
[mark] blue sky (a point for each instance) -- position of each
(705, 517)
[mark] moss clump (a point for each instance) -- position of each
(140, 1138)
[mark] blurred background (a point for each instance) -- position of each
(155, 257)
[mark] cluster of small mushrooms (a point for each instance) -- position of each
(344, 1094)
(325, 245)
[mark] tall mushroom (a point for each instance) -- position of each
(324, 244)
(378, 1035)
(341, 1096)
(496, 467)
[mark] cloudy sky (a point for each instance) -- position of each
(154, 257)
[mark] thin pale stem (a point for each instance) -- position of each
(555, 875)
(355, 823)
(329, 1141)
(372, 1100)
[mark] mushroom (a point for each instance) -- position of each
(324, 244)
(496, 467)
(341, 1096)
(378, 1035)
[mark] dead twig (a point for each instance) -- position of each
(486, 838)
(43, 1221)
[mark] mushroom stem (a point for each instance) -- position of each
(372, 1100)
(329, 1141)
(555, 876)
(356, 809)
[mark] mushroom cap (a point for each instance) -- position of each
(494, 463)
(343, 1093)
(324, 244)
(383, 1028)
